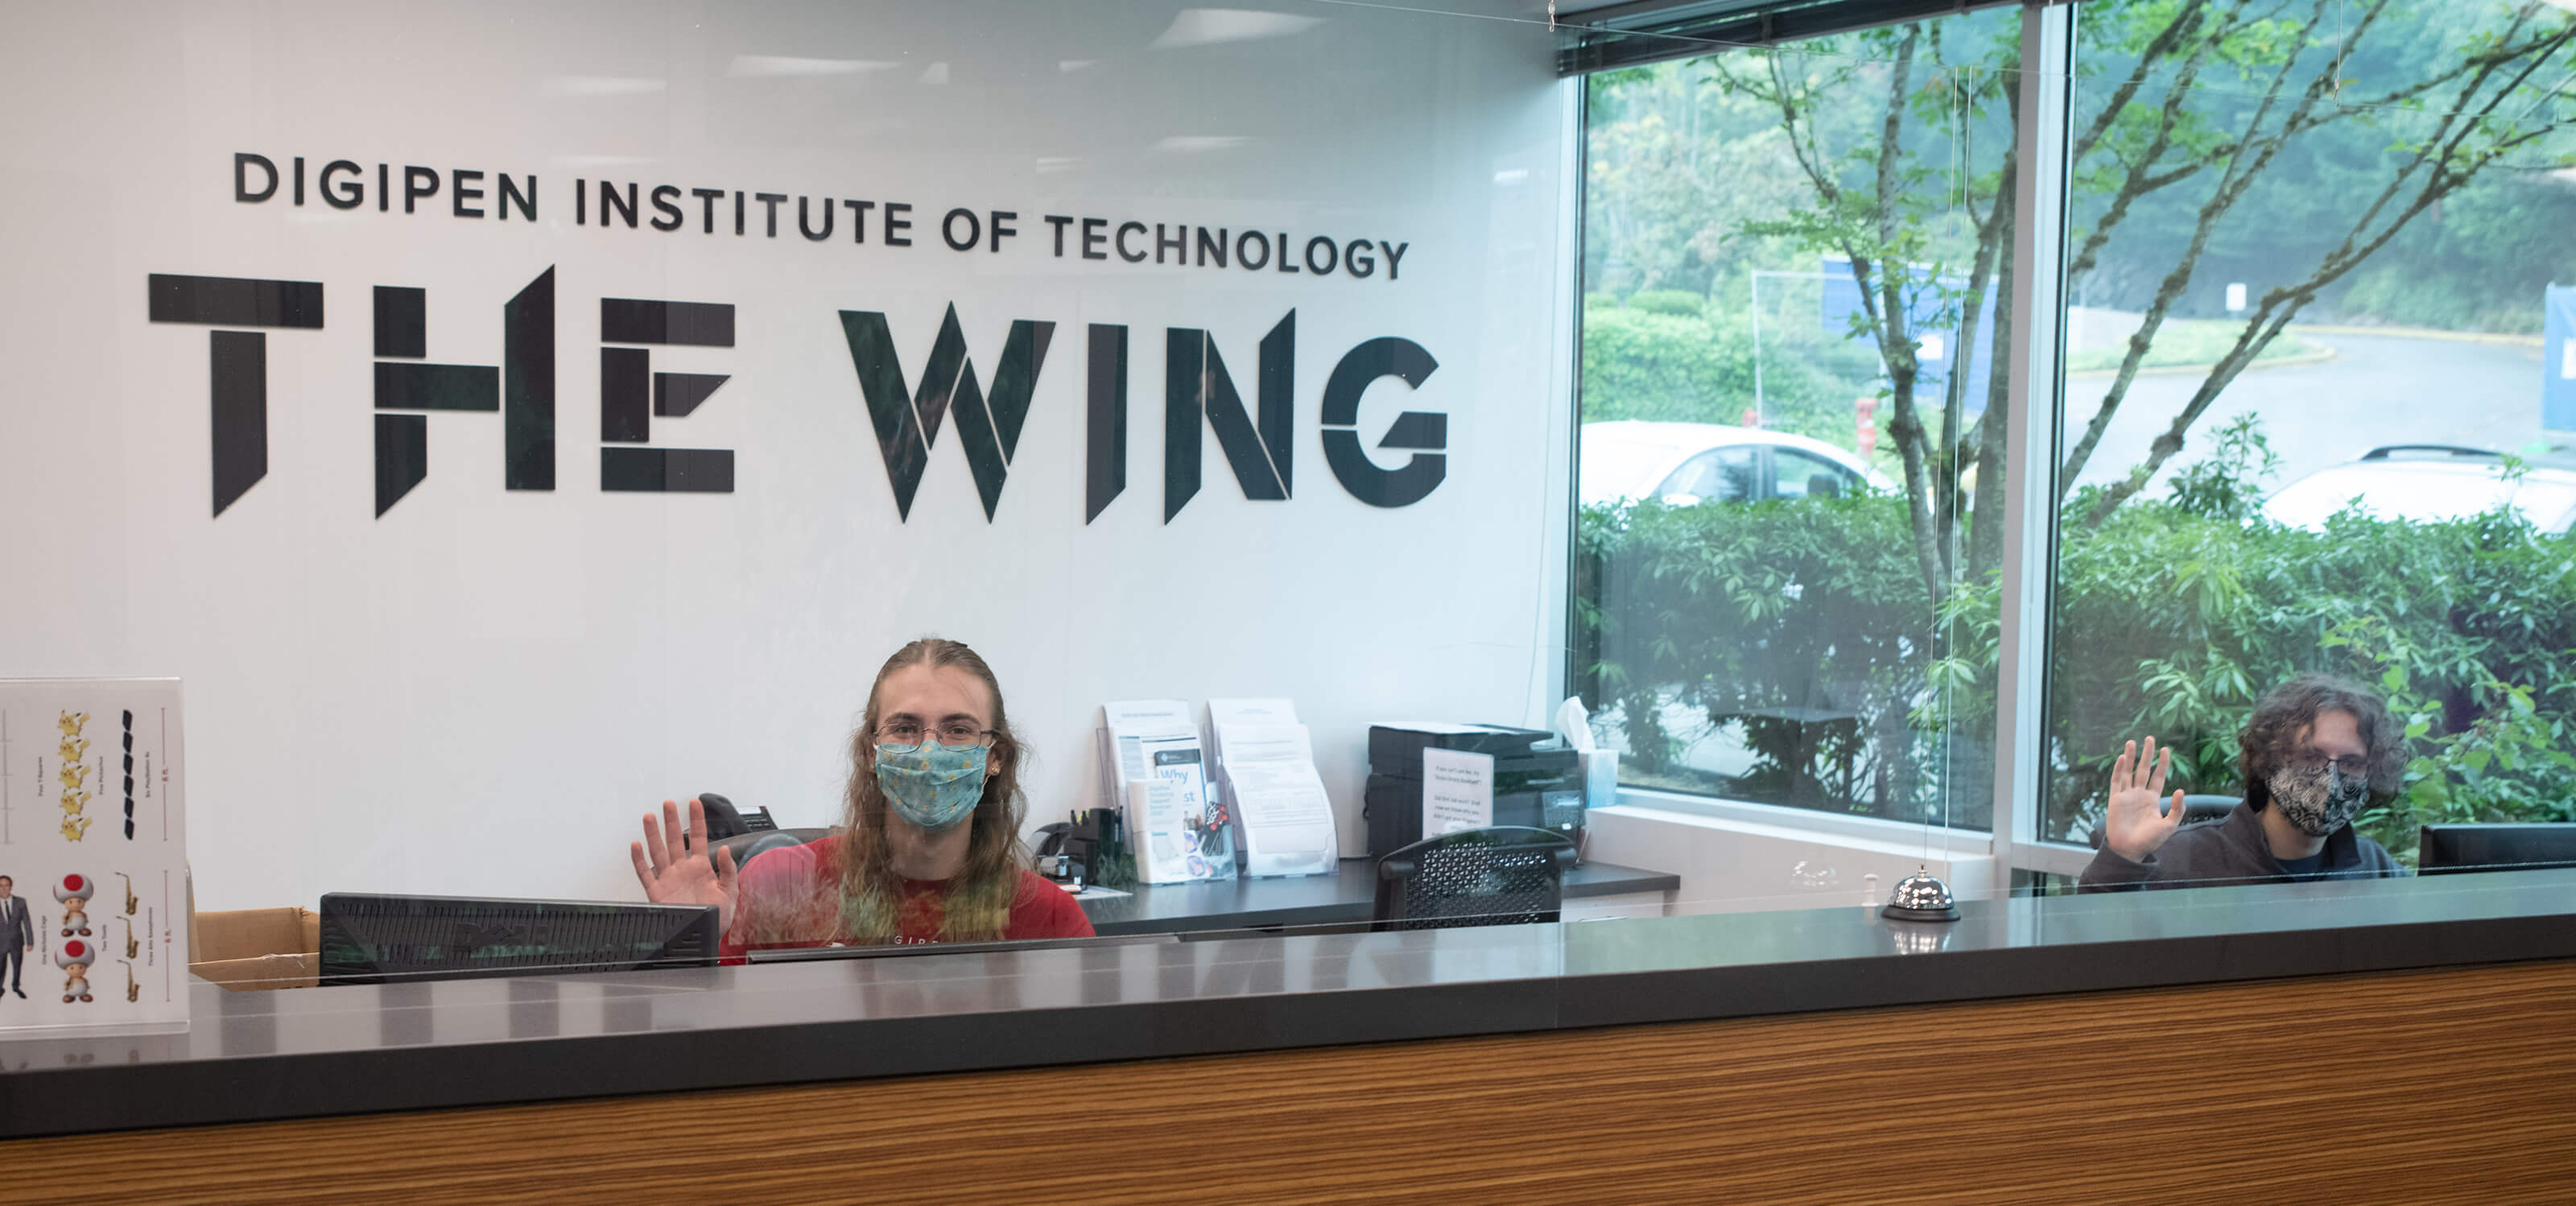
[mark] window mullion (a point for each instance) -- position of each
(2031, 429)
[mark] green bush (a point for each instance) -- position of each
(1661, 361)
(2171, 622)
(1802, 625)
(2188, 342)
(1677, 303)
(1805, 627)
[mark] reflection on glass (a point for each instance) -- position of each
(929, 849)
(1794, 264)
(2306, 421)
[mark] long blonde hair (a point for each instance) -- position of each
(978, 905)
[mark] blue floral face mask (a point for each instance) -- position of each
(933, 786)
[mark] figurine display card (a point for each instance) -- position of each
(93, 856)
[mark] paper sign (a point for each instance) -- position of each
(1224, 712)
(1457, 791)
(93, 841)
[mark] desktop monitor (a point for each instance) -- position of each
(369, 939)
(2449, 849)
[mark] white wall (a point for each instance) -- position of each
(479, 691)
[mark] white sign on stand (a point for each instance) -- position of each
(1457, 791)
(93, 844)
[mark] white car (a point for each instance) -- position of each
(2426, 483)
(1687, 463)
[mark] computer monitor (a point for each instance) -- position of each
(806, 954)
(2449, 849)
(370, 939)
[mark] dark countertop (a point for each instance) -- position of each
(354, 1049)
(1308, 900)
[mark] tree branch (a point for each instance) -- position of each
(2247, 161)
(2449, 172)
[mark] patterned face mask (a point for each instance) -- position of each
(932, 786)
(2321, 800)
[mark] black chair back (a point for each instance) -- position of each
(2199, 809)
(1506, 875)
(746, 846)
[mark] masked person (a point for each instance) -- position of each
(929, 849)
(2315, 753)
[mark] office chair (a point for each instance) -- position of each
(728, 828)
(2197, 809)
(1506, 875)
(747, 846)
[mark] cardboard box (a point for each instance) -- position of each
(249, 949)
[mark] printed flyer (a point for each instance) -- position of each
(93, 856)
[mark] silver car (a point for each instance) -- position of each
(1687, 463)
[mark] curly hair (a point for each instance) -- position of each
(2283, 718)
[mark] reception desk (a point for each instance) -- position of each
(1345, 899)
(2131, 1048)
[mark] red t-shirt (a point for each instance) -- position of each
(790, 897)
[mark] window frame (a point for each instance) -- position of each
(2035, 399)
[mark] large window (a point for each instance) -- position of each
(2307, 419)
(1794, 263)
(2315, 408)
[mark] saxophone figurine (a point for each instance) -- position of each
(133, 905)
(133, 991)
(132, 947)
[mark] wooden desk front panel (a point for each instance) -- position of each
(2420, 1087)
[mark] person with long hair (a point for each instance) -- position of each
(929, 848)
(2315, 753)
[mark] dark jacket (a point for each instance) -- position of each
(14, 930)
(2232, 851)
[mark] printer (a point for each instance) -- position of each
(1538, 779)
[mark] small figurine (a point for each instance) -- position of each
(74, 893)
(132, 905)
(73, 775)
(133, 946)
(133, 991)
(73, 749)
(71, 723)
(75, 828)
(75, 958)
(74, 802)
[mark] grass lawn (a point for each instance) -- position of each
(2187, 341)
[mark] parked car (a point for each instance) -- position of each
(1688, 463)
(2425, 483)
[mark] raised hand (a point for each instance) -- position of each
(2132, 828)
(677, 872)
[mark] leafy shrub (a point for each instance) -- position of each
(1678, 303)
(1676, 365)
(1804, 626)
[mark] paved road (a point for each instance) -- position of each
(2379, 389)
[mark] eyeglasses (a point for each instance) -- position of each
(954, 734)
(2312, 762)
